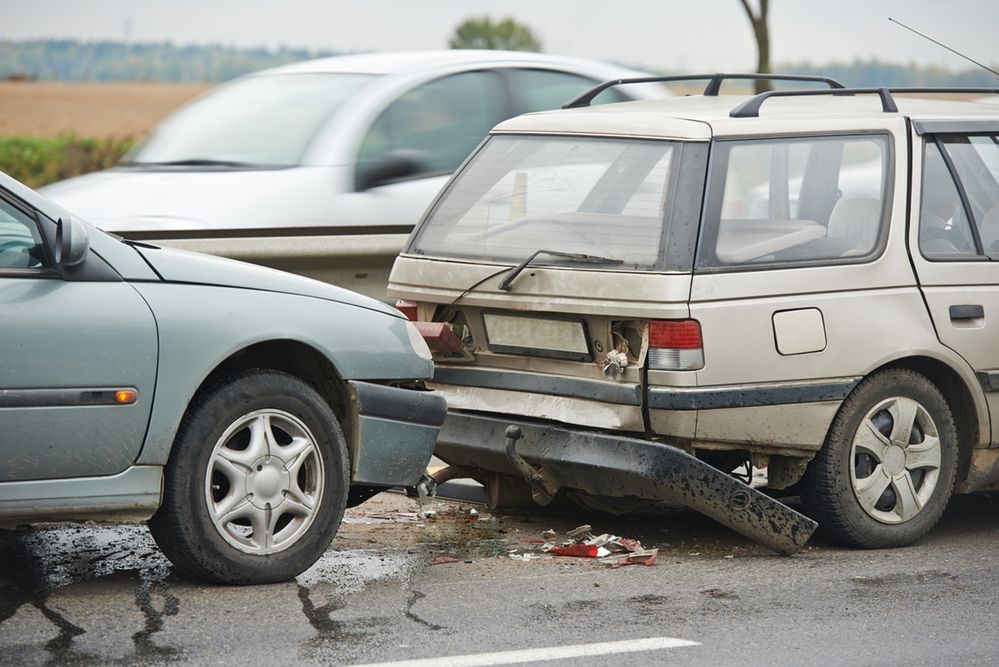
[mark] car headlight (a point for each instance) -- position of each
(416, 340)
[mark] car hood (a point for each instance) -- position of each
(130, 199)
(188, 267)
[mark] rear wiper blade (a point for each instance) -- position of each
(574, 256)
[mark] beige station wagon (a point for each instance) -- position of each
(657, 296)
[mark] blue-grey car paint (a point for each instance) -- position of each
(386, 415)
(200, 326)
(55, 335)
(198, 313)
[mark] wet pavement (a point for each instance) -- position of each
(103, 594)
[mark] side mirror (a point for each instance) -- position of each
(72, 242)
(391, 166)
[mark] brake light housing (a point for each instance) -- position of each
(407, 308)
(675, 345)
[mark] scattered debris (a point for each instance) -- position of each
(550, 533)
(473, 512)
(443, 560)
(371, 519)
(643, 557)
(524, 557)
(612, 550)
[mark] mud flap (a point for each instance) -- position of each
(610, 465)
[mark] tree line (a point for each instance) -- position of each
(68, 60)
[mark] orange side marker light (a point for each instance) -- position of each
(124, 397)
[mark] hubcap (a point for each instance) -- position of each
(264, 482)
(895, 460)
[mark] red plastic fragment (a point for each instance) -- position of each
(580, 550)
(440, 337)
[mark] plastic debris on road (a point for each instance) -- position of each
(611, 550)
(371, 519)
(443, 560)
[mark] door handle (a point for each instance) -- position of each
(966, 312)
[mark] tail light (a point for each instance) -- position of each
(675, 345)
(407, 308)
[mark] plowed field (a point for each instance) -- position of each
(88, 109)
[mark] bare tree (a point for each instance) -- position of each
(762, 34)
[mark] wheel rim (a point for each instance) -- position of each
(895, 460)
(264, 482)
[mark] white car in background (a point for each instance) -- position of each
(323, 167)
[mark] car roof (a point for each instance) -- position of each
(398, 62)
(700, 117)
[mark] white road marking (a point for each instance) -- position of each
(540, 654)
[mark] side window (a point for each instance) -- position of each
(541, 90)
(439, 123)
(777, 201)
(966, 219)
(944, 230)
(21, 245)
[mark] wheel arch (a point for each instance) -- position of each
(299, 360)
(970, 414)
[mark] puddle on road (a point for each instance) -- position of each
(36, 563)
(350, 571)
(56, 556)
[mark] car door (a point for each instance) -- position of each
(800, 284)
(955, 248)
(414, 144)
(71, 341)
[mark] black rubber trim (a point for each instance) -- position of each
(989, 380)
(397, 404)
(967, 312)
(591, 390)
(59, 398)
(711, 398)
(955, 126)
(263, 232)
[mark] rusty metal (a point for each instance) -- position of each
(610, 465)
(447, 473)
(543, 485)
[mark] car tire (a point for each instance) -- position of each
(256, 483)
(877, 485)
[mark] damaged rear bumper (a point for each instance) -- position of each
(610, 465)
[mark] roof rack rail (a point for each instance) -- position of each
(711, 90)
(751, 107)
(931, 89)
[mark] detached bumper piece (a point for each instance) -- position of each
(549, 457)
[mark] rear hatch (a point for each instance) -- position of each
(553, 275)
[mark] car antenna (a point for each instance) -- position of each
(985, 67)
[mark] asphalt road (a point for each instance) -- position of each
(104, 595)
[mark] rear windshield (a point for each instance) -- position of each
(635, 201)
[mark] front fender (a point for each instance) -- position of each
(201, 326)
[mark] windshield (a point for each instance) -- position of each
(266, 120)
(612, 198)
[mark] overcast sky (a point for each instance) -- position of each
(664, 34)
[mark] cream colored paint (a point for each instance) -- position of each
(799, 331)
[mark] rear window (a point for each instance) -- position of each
(778, 201)
(626, 200)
